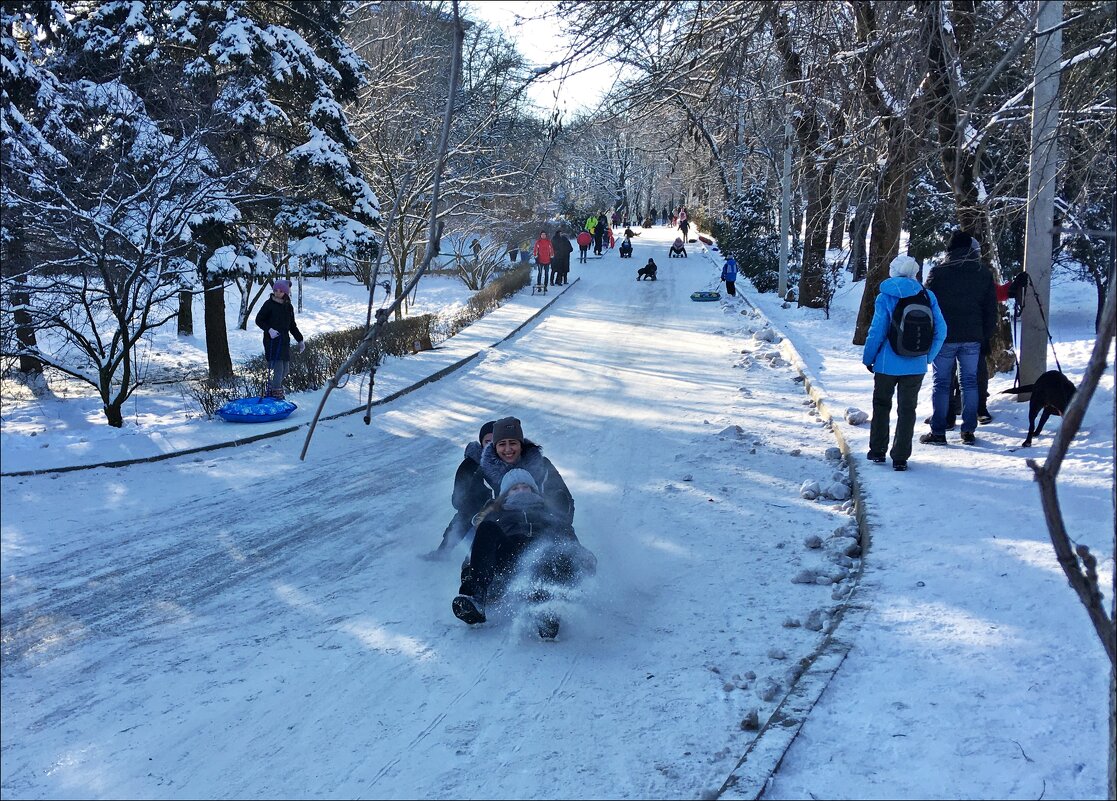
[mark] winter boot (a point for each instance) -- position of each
(468, 609)
(548, 625)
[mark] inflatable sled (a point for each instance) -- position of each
(703, 296)
(255, 410)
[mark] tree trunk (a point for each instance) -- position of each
(114, 414)
(25, 334)
(818, 184)
(186, 313)
(217, 334)
(884, 241)
(838, 226)
(858, 232)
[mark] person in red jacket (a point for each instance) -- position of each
(544, 252)
(585, 239)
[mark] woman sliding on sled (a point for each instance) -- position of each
(527, 528)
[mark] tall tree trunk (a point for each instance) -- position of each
(186, 313)
(858, 234)
(838, 225)
(25, 334)
(888, 217)
(217, 334)
(818, 184)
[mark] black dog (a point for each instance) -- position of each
(1051, 393)
(647, 271)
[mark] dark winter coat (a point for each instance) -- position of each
(966, 297)
(546, 475)
(470, 490)
(281, 317)
(563, 249)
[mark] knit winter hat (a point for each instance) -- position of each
(903, 266)
(517, 476)
(485, 429)
(282, 285)
(507, 428)
(960, 240)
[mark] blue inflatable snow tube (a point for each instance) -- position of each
(255, 410)
(705, 296)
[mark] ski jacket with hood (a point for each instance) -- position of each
(878, 353)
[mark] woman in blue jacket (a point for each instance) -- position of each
(892, 372)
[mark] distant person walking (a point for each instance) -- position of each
(584, 242)
(895, 374)
(544, 252)
(560, 266)
(967, 297)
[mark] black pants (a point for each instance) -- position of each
(542, 274)
(731, 287)
(495, 557)
(456, 530)
(906, 388)
(582, 251)
(597, 243)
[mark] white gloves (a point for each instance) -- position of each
(302, 346)
(272, 333)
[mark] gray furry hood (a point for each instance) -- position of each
(531, 459)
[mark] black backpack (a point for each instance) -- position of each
(912, 326)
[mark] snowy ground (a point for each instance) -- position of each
(244, 624)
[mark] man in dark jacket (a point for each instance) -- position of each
(470, 494)
(560, 266)
(967, 298)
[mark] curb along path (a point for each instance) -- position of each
(761, 760)
(434, 376)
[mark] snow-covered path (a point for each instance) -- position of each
(249, 625)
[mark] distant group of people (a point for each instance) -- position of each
(516, 513)
(958, 300)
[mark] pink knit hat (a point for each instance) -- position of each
(282, 285)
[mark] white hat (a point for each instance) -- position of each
(903, 266)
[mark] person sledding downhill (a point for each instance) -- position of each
(470, 495)
(525, 533)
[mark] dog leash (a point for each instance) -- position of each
(1021, 302)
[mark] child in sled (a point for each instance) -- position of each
(678, 249)
(517, 534)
